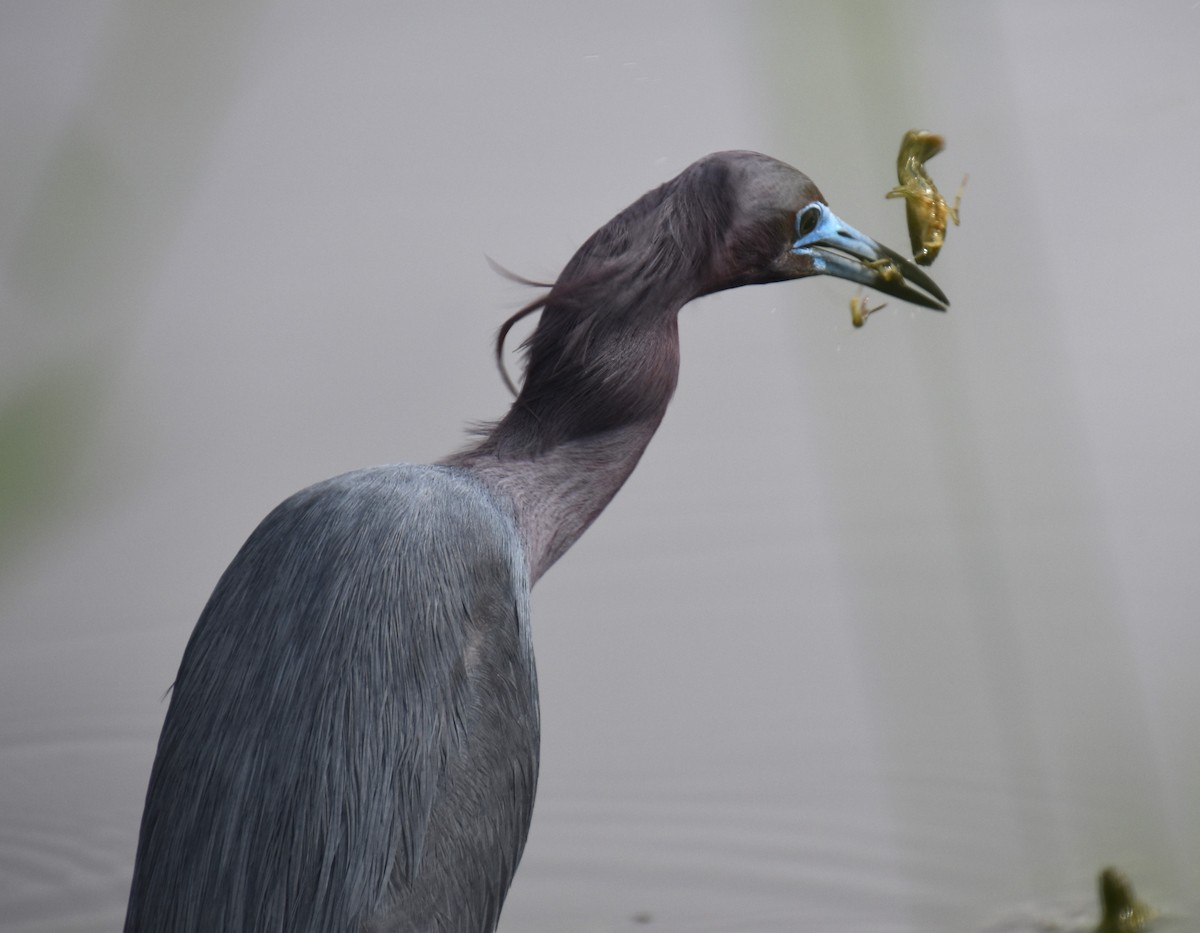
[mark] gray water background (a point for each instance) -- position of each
(892, 629)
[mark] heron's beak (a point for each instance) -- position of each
(835, 248)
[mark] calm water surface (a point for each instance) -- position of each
(892, 630)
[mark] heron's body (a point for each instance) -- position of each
(352, 739)
(329, 749)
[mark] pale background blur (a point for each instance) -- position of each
(892, 629)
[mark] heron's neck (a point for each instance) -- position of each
(557, 494)
(601, 367)
(565, 448)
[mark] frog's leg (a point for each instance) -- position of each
(953, 211)
(935, 236)
(887, 268)
(859, 312)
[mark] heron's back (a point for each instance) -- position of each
(352, 738)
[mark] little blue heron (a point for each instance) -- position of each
(352, 738)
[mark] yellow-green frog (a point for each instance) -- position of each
(925, 208)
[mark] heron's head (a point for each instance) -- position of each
(777, 226)
(606, 350)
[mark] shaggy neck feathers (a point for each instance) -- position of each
(602, 364)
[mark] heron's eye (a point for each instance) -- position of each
(807, 220)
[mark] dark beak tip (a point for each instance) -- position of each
(931, 303)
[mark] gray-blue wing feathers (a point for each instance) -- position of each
(319, 697)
